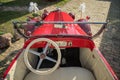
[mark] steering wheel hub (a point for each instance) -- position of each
(42, 56)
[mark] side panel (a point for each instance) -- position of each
(94, 62)
(18, 70)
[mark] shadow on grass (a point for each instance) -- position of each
(5, 63)
(26, 2)
(6, 18)
(110, 44)
(9, 15)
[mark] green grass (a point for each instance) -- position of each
(62, 3)
(26, 2)
(1, 32)
(6, 17)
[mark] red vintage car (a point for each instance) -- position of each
(59, 48)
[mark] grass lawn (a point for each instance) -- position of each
(26, 2)
(6, 17)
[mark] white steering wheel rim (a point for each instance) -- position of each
(38, 71)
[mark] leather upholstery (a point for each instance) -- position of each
(68, 73)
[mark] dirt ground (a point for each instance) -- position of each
(98, 10)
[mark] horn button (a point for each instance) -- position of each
(42, 56)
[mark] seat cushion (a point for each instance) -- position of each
(68, 73)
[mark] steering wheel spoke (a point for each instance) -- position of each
(50, 59)
(34, 52)
(46, 48)
(39, 63)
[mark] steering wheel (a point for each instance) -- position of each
(42, 55)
